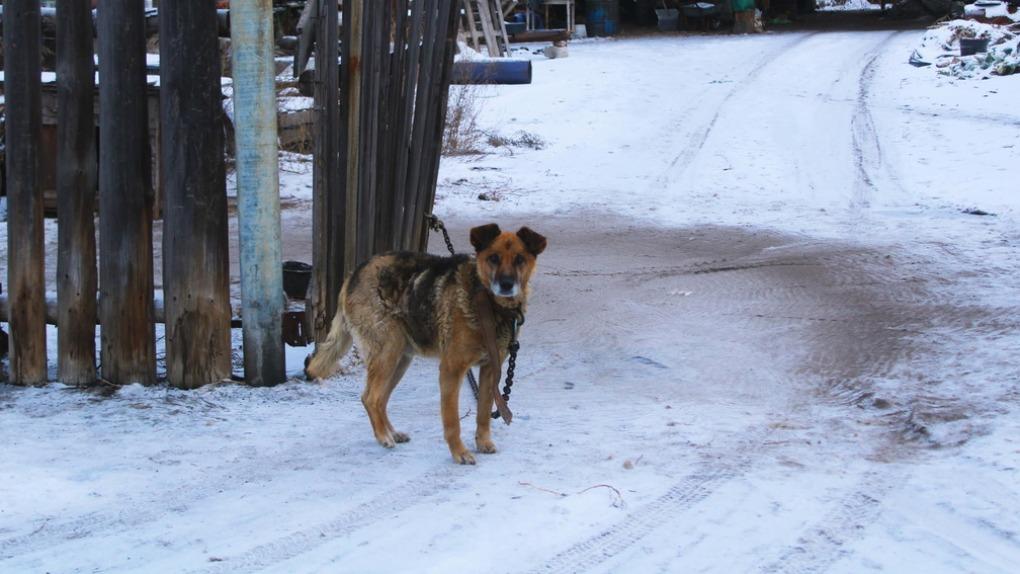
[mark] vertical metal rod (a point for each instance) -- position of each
(76, 194)
(125, 196)
(258, 205)
(25, 249)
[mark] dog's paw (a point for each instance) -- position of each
(485, 446)
(401, 437)
(463, 457)
(386, 440)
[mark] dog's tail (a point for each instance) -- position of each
(328, 353)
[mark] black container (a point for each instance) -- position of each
(296, 276)
(971, 46)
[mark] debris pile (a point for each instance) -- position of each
(947, 46)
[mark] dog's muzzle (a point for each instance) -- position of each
(505, 287)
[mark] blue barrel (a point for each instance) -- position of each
(603, 17)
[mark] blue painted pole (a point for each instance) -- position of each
(258, 198)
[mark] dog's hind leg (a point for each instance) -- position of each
(338, 342)
(451, 374)
(398, 374)
(383, 363)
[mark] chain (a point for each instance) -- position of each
(510, 366)
(436, 224)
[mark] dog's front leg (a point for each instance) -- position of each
(450, 377)
(483, 434)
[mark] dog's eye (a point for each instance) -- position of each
(494, 259)
(519, 260)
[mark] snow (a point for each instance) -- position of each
(763, 318)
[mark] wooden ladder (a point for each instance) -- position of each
(481, 23)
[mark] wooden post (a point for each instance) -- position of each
(25, 250)
(258, 194)
(196, 273)
(434, 38)
(352, 74)
(125, 197)
(405, 119)
(327, 204)
(389, 147)
(76, 194)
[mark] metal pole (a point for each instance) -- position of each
(258, 198)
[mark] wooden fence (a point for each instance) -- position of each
(379, 134)
(378, 139)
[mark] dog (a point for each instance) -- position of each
(399, 305)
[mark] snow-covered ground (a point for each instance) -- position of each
(765, 337)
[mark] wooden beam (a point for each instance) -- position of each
(440, 89)
(351, 76)
(25, 249)
(196, 272)
(327, 203)
(76, 194)
(125, 195)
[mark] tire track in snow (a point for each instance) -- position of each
(400, 498)
(680, 162)
(686, 494)
(867, 148)
(826, 542)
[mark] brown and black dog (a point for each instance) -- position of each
(399, 305)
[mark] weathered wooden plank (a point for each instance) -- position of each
(385, 117)
(327, 205)
(405, 121)
(419, 121)
(125, 197)
(470, 20)
(439, 107)
(196, 273)
(383, 235)
(371, 80)
(352, 73)
(307, 29)
(431, 89)
(76, 194)
(489, 31)
(25, 250)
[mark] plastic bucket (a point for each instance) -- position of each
(603, 17)
(971, 46)
(296, 276)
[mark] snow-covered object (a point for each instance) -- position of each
(993, 9)
(847, 5)
(941, 46)
(466, 53)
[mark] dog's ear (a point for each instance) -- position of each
(483, 235)
(533, 242)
